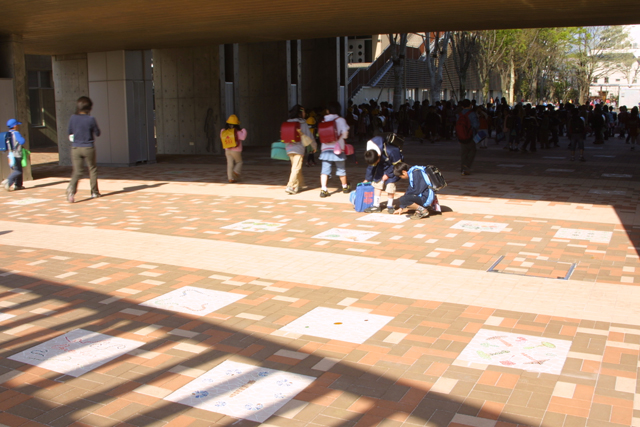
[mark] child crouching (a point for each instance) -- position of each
(419, 195)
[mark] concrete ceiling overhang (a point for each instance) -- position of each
(74, 26)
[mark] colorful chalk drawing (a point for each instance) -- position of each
(255, 225)
(26, 201)
(76, 352)
(506, 349)
(192, 300)
(590, 235)
(241, 391)
(493, 227)
(346, 235)
(383, 217)
(343, 325)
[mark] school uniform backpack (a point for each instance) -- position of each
(229, 138)
(290, 132)
(432, 176)
(463, 126)
(328, 132)
(5, 141)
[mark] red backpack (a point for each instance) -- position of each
(328, 132)
(463, 126)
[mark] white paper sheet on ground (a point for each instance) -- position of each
(26, 201)
(346, 235)
(192, 300)
(590, 235)
(506, 349)
(493, 227)
(242, 391)
(254, 225)
(343, 325)
(76, 352)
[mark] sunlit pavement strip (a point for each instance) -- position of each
(439, 283)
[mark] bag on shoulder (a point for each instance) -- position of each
(229, 138)
(5, 141)
(328, 132)
(290, 132)
(577, 125)
(463, 126)
(432, 176)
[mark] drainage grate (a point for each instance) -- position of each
(534, 266)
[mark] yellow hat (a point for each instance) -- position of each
(311, 121)
(233, 120)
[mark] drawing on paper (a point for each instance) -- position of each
(192, 300)
(346, 235)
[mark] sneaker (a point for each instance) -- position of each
(582, 159)
(347, 189)
(7, 186)
(391, 210)
(232, 181)
(324, 193)
(22, 187)
(290, 190)
(420, 213)
(95, 195)
(373, 209)
(71, 197)
(465, 173)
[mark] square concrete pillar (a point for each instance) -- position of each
(12, 66)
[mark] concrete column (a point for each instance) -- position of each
(319, 79)
(120, 86)
(188, 89)
(70, 81)
(12, 66)
(262, 104)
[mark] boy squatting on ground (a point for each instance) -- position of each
(381, 157)
(418, 195)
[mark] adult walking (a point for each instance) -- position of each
(83, 130)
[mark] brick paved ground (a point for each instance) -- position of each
(517, 306)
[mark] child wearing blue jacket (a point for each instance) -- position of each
(419, 195)
(381, 157)
(16, 141)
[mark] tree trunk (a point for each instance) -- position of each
(512, 81)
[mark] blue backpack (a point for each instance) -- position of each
(432, 176)
(5, 141)
(362, 197)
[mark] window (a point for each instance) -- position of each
(40, 90)
(595, 80)
(617, 80)
(635, 81)
(606, 79)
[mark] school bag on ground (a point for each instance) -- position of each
(463, 126)
(229, 138)
(362, 197)
(432, 176)
(290, 132)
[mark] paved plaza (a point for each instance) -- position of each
(178, 299)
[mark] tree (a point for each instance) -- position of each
(398, 45)
(435, 51)
(464, 47)
(491, 49)
(591, 49)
